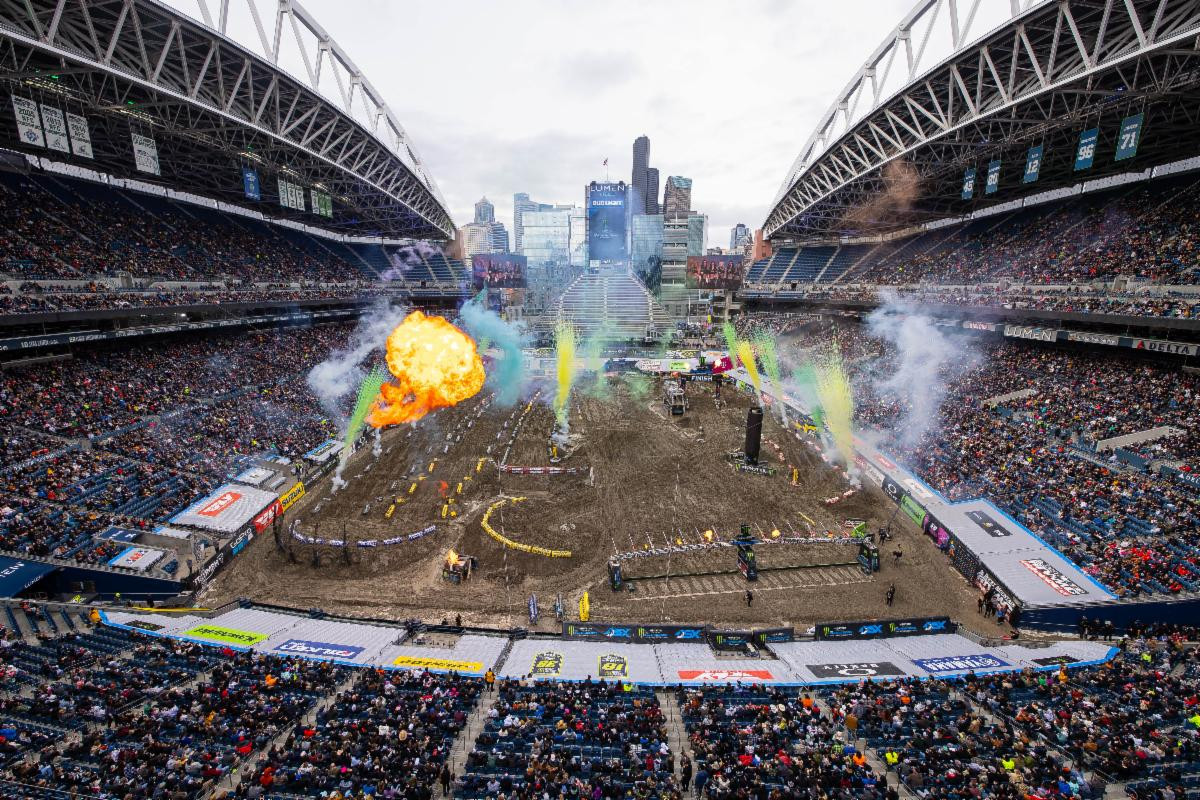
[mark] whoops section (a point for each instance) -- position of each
(504, 540)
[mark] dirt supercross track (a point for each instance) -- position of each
(652, 488)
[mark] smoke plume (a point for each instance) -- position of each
(507, 376)
(406, 257)
(923, 350)
(901, 188)
(341, 373)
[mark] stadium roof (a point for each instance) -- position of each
(894, 147)
(213, 105)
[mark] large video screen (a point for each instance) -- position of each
(499, 270)
(606, 222)
(714, 272)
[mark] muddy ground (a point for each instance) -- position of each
(648, 480)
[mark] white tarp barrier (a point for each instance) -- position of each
(799, 663)
(139, 559)
(227, 510)
(171, 533)
(255, 476)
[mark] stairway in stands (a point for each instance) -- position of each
(465, 743)
(614, 302)
(677, 737)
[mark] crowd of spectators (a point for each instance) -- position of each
(766, 742)
(584, 740)
(1076, 299)
(117, 715)
(130, 436)
(388, 735)
(34, 298)
(1035, 453)
(942, 746)
(1149, 231)
(156, 718)
(59, 228)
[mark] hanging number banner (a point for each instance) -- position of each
(1128, 138)
(29, 121)
(1085, 154)
(1033, 164)
(993, 178)
(145, 154)
(56, 129)
(81, 136)
(968, 187)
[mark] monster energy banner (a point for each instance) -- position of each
(885, 629)
(774, 636)
(633, 633)
(730, 640)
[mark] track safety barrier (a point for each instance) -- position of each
(504, 540)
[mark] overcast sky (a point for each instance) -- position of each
(504, 96)
(532, 95)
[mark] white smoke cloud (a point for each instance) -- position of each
(340, 374)
(405, 257)
(923, 352)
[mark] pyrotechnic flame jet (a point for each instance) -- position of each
(433, 364)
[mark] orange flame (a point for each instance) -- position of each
(452, 558)
(434, 364)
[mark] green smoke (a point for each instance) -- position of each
(593, 362)
(805, 379)
(768, 354)
(368, 391)
(638, 385)
(730, 340)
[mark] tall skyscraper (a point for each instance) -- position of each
(522, 205)
(579, 242)
(498, 236)
(677, 199)
(641, 164)
(483, 237)
(646, 248)
(477, 239)
(697, 237)
(652, 206)
(547, 237)
(738, 236)
(677, 233)
(485, 211)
